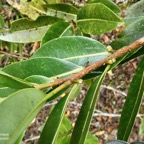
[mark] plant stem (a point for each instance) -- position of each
(135, 45)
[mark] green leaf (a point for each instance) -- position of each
(7, 80)
(132, 104)
(49, 67)
(131, 33)
(53, 1)
(134, 13)
(67, 8)
(2, 23)
(136, 10)
(111, 5)
(38, 5)
(141, 130)
(134, 20)
(5, 91)
(57, 30)
(38, 79)
(51, 128)
(76, 92)
(83, 121)
(79, 50)
(128, 20)
(91, 139)
(25, 30)
(97, 19)
(65, 134)
(19, 140)
(25, 8)
(64, 11)
(17, 112)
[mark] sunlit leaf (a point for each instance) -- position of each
(141, 130)
(69, 9)
(79, 50)
(57, 30)
(24, 8)
(17, 112)
(25, 30)
(97, 19)
(131, 33)
(49, 67)
(110, 4)
(7, 80)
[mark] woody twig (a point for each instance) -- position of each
(135, 45)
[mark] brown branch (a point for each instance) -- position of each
(95, 65)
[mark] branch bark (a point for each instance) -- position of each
(135, 45)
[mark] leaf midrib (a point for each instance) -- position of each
(89, 55)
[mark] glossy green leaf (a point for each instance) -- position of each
(136, 10)
(7, 80)
(51, 128)
(134, 30)
(79, 50)
(132, 104)
(67, 8)
(110, 4)
(49, 67)
(57, 30)
(129, 20)
(25, 30)
(5, 91)
(65, 11)
(61, 14)
(131, 33)
(97, 19)
(38, 79)
(17, 111)
(83, 121)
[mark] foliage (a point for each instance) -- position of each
(65, 49)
